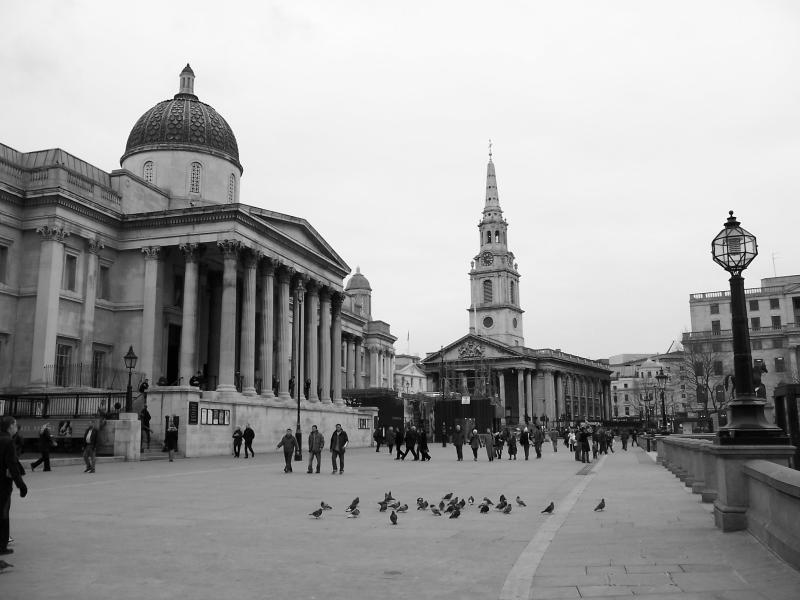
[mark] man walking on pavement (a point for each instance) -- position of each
(90, 447)
(538, 440)
(338, 445)
(316, 442)
(458, 442)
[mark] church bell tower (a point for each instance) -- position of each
(495, 310)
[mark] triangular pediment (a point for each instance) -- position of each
(410, 370)
(297, 231)
(473, 347)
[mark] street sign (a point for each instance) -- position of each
(465, 399)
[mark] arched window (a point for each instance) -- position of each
(194, 182)
(232, 188)
(505, 241)
(148, 171)
(487, 290)
(513, 294)
(488, 237)
(496, 237)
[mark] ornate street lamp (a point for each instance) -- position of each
(734, 249)
(130, 363)
(662, 384)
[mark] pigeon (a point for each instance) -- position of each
(393, 518)
(484, 508)
(395, 504)
(316, 514)
(325, 506)
(455, 514)
(450, 508)
(403, 508)
(501, 505)
(471, 500)
(436, 511)
(4, 565)
(502, 498)
(487, 501)
(550, 508)
(448, 496)
(383, 506)
(354, 513)
(423, 506)
(507, 509)
(600, 506)
(441, 505)
(520, 502)
(388, 496)
(462, 503)
(353, 504)
(420, 499)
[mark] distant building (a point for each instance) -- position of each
(409, 377)
(773, 312)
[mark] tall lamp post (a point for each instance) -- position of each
(734, 249)
(130, 363)
(662, 384)
(299, 380)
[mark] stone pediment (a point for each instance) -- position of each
(473, 347)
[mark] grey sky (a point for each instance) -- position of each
(623, 133)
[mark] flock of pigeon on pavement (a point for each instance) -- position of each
(449, 504)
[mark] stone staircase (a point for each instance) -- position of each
(155, 453)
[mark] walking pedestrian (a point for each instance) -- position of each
(610, 439)
(572, 440)
(512, 446)
(411, 440)
(90, 447)
(399, 442)
(289, 445)
(46, 442)
(624, 439)
(489, 443)
(458, 442)
(538, 440)
(378, 437)
(583, 443)
(525, 442)
(10, 475)
(634, 438)
(237, 441)
(475, 443)
(390, 439)
(498, 445)
(248, 436)
(338, 445)
(554, 438)
(422, 444)
(316, 442)
(145, 418)
(170, 439)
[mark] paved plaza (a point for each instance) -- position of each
(223, 527)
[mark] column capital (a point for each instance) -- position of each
(325, 294)
(190, 251)
(285, 273)
(95, 245)
(151, 252)
(54, 233)
(336, 303)
(230, 248)
(250, 258)
(268, 265)
(313, 287)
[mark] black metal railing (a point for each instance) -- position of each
(47, 406)
(87, 375)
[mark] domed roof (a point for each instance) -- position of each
(183, 123)
(358, 282)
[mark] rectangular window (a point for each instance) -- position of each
(776, 322)
(63, 363)
(98, 368)
(756, 345)
(755, 323)
(625, 386)
(777, 343)
(716, 346)
(715, 327)
(626, 397)
(774, 303)
(715, 309)
(753, 304)
(780, 367)
(717, 367)
(627, 411)
(70, 272)
(363, 423)
(103, 282)
(215, 416)
(3, 264)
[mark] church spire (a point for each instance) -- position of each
(492, 198)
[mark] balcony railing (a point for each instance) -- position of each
(775, 289)
(721, 333)
(73, 406)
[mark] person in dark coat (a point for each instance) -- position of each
(583, 443)
(144, 416)
(10, 475)
(45, 444)
(90, 447)
(237, 441)
(171, 439)
(511, 441)
(378, 437)
(315, 445)
(411, 440)
(289, 445)
(444, 435)
(525, 442)
(390, 439)
(399, 442)
(422, 445)
(248, 436)
(475, 443)
(458, 441)
(538, 440)
(338, 445)
(489, 443)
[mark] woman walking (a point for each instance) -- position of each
(45, 443)
(171, 439)
(475, 443)
(237, 441)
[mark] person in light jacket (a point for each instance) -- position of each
(289, 444)
(475, 443)
(316, 442)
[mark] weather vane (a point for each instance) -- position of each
(490, 149)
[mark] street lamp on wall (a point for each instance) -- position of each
(662, 384)
(130, 363)
(734, 248)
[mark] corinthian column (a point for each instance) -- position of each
(336, 343)
(297, 337)
(325, 345)
(267, 327)
(284, 333)
(312, 340)
(188, 361)
(87, 318)
(150, 301)
(350, 369)
(247, 350)
(227, 334)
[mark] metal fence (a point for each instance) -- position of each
(87, 375)
(61, 405)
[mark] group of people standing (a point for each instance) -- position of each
(316, 442)
(414, 440)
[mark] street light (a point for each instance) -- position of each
(662, 384)
(130, 363)
(734, 249)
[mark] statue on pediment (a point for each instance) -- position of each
(470, 349)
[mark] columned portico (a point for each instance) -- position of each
(90, 293)
(325, 345)
(312, 340)
(501, 383)
(284, 333)
(151, 306)
(359, 379)
(297, 336)
(247, 343)
(227, 334)
(336, 342)
(267, 327)
(187, 359)
(350, 368)
(549, 394)
(521, 394)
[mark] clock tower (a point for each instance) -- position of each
(494, 280)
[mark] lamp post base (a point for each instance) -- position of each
(748, 426)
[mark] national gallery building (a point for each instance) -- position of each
(161, 256)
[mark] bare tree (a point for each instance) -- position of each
(704, 373)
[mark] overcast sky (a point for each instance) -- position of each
(623, 133)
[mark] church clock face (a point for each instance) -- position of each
(487, 258)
